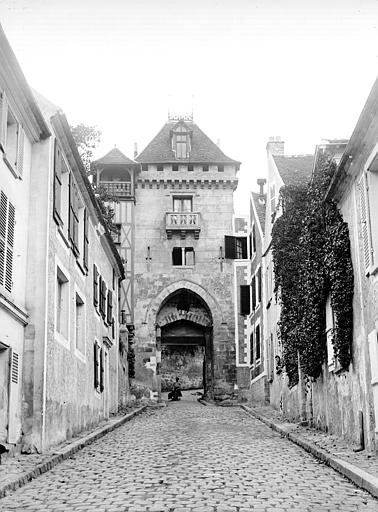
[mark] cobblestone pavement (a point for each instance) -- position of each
(188, 457)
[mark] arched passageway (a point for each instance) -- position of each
(184, 339)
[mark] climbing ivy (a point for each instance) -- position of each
(311, 255)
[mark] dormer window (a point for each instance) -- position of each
(181, 141)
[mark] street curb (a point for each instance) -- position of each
(358, 476)
(66, 452)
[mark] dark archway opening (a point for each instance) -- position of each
(185, 323)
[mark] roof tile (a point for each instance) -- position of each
(295, 170)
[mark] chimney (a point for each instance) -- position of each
(276, 146)
(261, 182)
(218, 143)
(135, 149)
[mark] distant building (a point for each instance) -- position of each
(259, 345)
(184, 298)
(282, 170)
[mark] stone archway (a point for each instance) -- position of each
(183, 326)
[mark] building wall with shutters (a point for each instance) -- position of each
(15, 163)
(68, 401)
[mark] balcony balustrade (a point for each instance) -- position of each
(117, 188)
(182, 223)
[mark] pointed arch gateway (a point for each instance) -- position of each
(183, 316)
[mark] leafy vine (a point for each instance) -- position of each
(311, 256)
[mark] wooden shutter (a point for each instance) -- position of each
(95, 286)
(258, 343)
(245, 304)
(57, 183)
(244, 248)
(365, 221)
(3, 121)
(20, 150)
(251, 348)
(86, 240)
(95, 366)
(230, 247)
(73, 216)
(253, 286)
(110, 307)
(259, 285)
(14, 382)
(7, 227)
(102, 369)
(104, 290)
(253, 239)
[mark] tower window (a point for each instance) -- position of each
(183, 256)
(183, 204)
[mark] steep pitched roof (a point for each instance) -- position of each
(115, 157)
(260, 207)
(203, 149)
(295, 170)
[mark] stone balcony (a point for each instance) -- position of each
(117, 188)
(182, 223)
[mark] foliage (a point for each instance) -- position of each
(131, 360)
(106, 202)
(311, 255)
(87, 138)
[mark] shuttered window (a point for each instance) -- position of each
(7, 227)
(109, 314)
(96, 366)
(103, 289)
(245, 304)
(95, 286)
(11, 137)
(253, 286)
(86, 240)
(258, 343)
(365, 221)
(235, 247)
(259, 285)
(58, 184)
(102, 369)
(73, 231)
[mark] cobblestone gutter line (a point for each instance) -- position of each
(358, 476)
(66, 452)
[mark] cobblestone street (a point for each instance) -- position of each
(187, 457)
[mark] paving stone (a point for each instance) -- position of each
(190, 458)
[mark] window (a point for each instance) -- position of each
(251, 348)
(11, 137)
(95, 286)
(86, 240)
(190, 168)
(73, 230)
(205, 168)
(109, 312)
(235, 247)
(259, 286)
(96, 366)
(258, 343)
(61, 304)
(183, 257)
(253, 286)
(102, 288)
(245, 301)
(182, 204)
(220, 168)
(102, 369)
(175, 167)
(79, 324)
(160, 167)
(7, 227)
(253, 239)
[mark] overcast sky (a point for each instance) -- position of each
(301, 69)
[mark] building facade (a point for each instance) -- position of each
(184, 301)
(23, 134)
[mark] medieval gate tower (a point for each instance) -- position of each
(183, 283)
(174, 210)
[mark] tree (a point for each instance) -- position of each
(87, 138)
